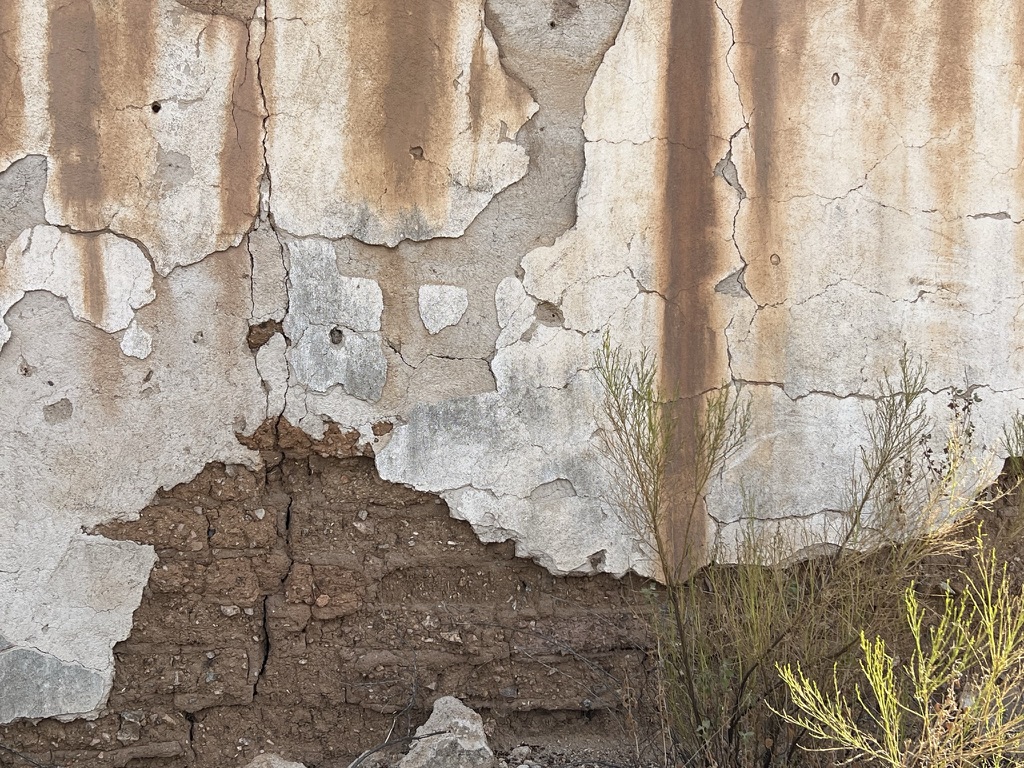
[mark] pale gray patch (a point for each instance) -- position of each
(21, 198)
(173, 169)
(556, 489)
(35, 684)
(732, 285)
(334, 322)
(58, 412)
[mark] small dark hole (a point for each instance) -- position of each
(337, 336)
(548, 314)
(261, 333)
(155, 106)
(835, 78)
(552, 24)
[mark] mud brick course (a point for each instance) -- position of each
(312, 609)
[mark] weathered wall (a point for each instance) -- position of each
(307, 608)
(417, 221)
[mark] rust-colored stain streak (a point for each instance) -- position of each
(100, 65)
(952, 96)
(100, 61)
(401, 105)
(76, 93)
(773, 33)
(952, 104)
(688, 257)
(478, 90)
(12, 96)
(241, 157)
(94, 282)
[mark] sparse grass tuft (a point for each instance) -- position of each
(722, 629)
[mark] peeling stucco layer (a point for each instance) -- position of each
(884, 190)
(127, 102)
(104, 278)
(533, 469)
(781, 216)
(89, 435)
(219, 213)
(407, 103)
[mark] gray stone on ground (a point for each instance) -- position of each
(273, 761)
(520, 753)
(461, 743)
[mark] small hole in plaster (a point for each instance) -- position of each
(416, 152)
(548, 314)
(835, 78)
(198, 337)
(775, 260)
(552, 24)
(337, 336)
(261, 333)
(155, 106)
(50, 383)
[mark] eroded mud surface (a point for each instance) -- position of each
(313, 609)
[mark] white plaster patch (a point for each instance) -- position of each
(489, 454)
(272, 365)
(442, 306)
(334, 324)
(136, 341)
(515, 311)
(103, 277)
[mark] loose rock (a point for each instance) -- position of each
(460, 743)
(273, 761)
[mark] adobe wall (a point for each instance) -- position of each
(415, 222)
(312, 609)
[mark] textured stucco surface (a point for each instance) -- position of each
(418, 220)
(411, 104)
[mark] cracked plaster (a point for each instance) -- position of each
(105, 279)
(111, 178)
(118, 115)
(803, 238)
(782, 223)
(90, 434)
